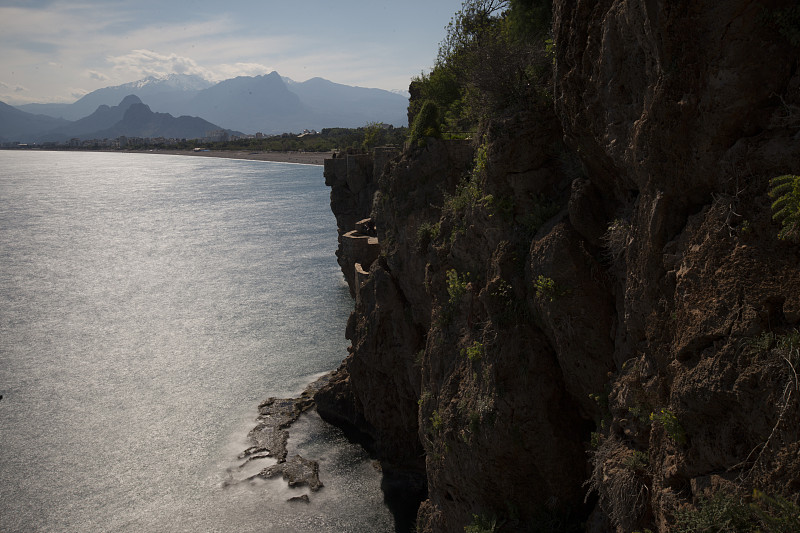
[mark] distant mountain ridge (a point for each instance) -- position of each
(140, 121)
(103, 118)
(347, 106)
(19, 126)
(158, 91)
(131, 118)
(267, 103)
(250, 104)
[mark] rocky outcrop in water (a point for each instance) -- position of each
(270, 437)
(594, 325)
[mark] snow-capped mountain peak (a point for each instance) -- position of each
(183, 82)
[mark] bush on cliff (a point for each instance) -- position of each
(493, 60)
(426, 124)
(728, 512)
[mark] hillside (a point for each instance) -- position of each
(584, 319)
(140, 121)
(103, 118)
(19, 126)
(131, 118)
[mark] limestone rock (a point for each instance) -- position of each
(620, 261)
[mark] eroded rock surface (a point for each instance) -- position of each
(270, 436)
(607, 316)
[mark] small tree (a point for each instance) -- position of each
(374, 135)
(426, 124)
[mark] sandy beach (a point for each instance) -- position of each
(306, 158)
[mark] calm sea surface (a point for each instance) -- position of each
(148, 304)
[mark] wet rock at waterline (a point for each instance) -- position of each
(269, 439)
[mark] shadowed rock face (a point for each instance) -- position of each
(620, 262)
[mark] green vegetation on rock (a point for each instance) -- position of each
(785, 191)
(725, 512)
(671, 425)
(426, 124)
(493, 58)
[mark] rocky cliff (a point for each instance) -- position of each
(584, 320)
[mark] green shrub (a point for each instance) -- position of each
(722, 513)
(601, 400)
(456, 286)
(671, 425)
(638, 460)
(785, 191)
(503, 206)
(482, 524)
(426, 124)
(547, 289)
(504, 291)
(481, 159)
(639, 413)
(442, 87)
(788, 344)
(456, 289)
(436, 422)
(427, 232)
(424, 397)
(418, 358)
(761, 343)
(775, 513)
(728, 513)
(746, 227)
(468, 194)
(473, 352)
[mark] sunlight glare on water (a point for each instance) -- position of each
(148, 304)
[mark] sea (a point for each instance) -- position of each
(148, 304)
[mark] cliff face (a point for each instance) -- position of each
(595, 299)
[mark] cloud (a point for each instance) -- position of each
(142, 63)
(13, 88)
(95, 75)
(224, 72)
(77, 93)
(53, 46)
(13, 94)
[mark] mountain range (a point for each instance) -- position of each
(131, 118)
(161, 93)
(269, 104)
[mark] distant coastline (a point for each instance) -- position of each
(304, 158)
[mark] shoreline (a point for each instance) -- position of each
(303, 158)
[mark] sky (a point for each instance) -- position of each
(59, 50)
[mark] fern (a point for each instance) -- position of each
(785, 191)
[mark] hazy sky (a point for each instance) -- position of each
(57, 51)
